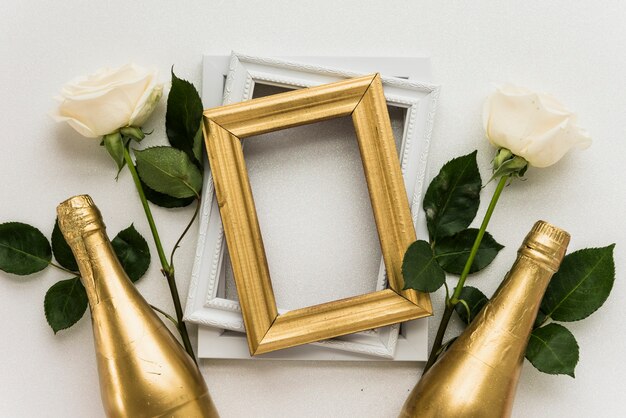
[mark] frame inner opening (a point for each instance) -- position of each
(314, 210)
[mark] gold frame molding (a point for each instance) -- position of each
(224, 127)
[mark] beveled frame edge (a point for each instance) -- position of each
(233, 345)
(223, 128)
(239, 59)
(298, 72)
(384, 339)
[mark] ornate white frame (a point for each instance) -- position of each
(206, 304)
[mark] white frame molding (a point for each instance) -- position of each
(207, 305)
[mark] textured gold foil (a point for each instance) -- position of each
(224, 127)
(143, 370)
(478, 375)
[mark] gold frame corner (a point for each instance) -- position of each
(224, 127)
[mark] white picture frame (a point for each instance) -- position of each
(206, 305)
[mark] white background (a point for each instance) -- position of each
(574, 50)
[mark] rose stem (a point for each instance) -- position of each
(193, 218)
(167, 270)
(451, 302)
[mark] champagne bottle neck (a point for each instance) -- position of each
(546, 245)
(499, 334)
(78, 216)
(478, 374)
(507, 320)
(83, 229)
(143, 369)
(101, 273)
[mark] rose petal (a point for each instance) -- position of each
(146, 105)
(105, 78)
(534, 126)
(109, 99)
(103, 114)
(77, 125)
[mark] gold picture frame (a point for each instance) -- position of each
(224, 128)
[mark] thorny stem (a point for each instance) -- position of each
(451, 302)
(435, 351)
(193, 218)
(166, 268)
(144, 202)
(182, 328)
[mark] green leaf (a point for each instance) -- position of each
(581, 285)
(23, 249)
(65, 303)
(197, 146)
(133, 252)
(163, 200)
(475, 300)
(420, 269)
(183, 118)
(453, 197)
(452, 252)
(553, 349)
(168, 170)
(62, 251)
(115, 147)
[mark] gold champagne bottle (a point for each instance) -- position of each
(477, 376)
(144, 371)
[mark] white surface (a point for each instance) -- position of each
(312, 202)
(575, 50)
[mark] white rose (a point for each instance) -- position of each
(532, 125)
(109, 99)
